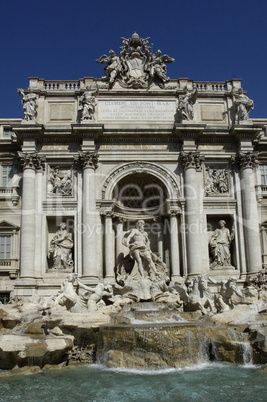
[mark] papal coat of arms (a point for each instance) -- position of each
(137, 66)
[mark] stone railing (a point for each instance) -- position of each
(58, 85)
(7, 193)
(61, 85)
(261, 192)
(211, 86)
(9, 266)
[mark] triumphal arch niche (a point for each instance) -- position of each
(96, 158)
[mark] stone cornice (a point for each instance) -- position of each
(28, 131)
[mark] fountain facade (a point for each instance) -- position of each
(132, 188)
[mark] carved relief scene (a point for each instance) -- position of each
(60, 181)
(216, 181)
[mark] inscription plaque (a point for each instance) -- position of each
(136, 110)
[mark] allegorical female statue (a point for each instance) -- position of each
(61, 249)
(220, 242)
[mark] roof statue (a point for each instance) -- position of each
(137, 66)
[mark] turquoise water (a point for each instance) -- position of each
(207, 382)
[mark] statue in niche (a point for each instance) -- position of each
(220, 242)
(141, 274)
(29, 104)
(59, 183)
(113, 69)
(139, 245)
(61, 249)
(216, 181)
(137, 66)
(227, 289)
(87, 104)
(242, 103)
(186, 102)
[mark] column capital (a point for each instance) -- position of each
(31, 160)
(192, 160)
(245, 160)
(87, 159)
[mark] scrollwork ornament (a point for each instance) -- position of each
(192, 160)
(31, 160)
(87, 159)
(246, 160)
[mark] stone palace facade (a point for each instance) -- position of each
(92, 157)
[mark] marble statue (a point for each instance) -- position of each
(142, 273)
(242, 103)
(87, 104)
(139, 246)
(61, 249)
(220, 242)
(227, 289)
(197, 296)
(114, 67)
(157, 68)
(59, 183)
(29, 104)
(67, 295)
(185, 104)
(259, 282)
(90, 301)
(216, 182)
(94, 296)
(137, 66)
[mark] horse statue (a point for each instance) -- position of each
(199, 297)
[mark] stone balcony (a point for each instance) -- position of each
(9, 266)
(9, 194)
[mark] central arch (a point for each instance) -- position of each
(161, 175)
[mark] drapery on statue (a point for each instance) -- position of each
(243, 104)
(113, 68)
(87, 104)
(220, 242)
(186, 102)
(61, 249)
(29, 104)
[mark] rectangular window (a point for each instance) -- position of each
(5, 246)
(7, 173)
(263, 170)
(7, 133)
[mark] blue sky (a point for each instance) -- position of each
(211, 40)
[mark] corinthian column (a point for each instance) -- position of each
(109, 246)
(192, 162)
(30, 162)
(175, 257)
(247, 162)
(88, 161)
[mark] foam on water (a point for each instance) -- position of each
(197, 367)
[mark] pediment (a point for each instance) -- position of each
(5, 225)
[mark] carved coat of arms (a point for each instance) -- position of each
(137, 66)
